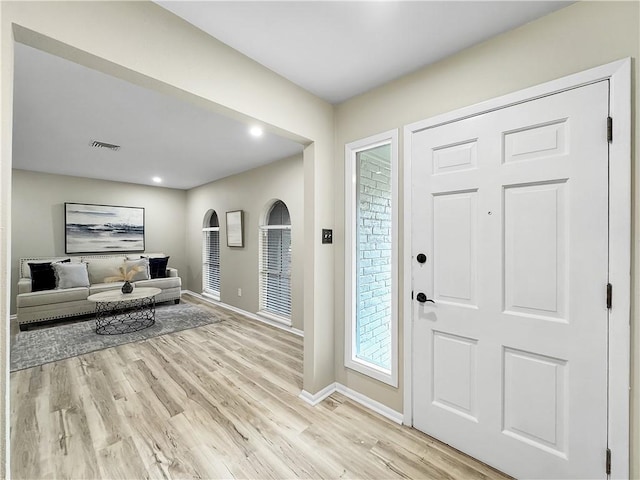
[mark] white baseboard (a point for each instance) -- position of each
(314, 399)
(249, 315)
(371, 404)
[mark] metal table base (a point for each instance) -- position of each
(115, 318)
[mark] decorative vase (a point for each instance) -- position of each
(127, 287)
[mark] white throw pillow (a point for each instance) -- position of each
(70, 275)
(103, 270)
(142, 267)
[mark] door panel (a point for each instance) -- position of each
(454, 374)
(455, 244)
(535, 400)
(535, 249)
(451, 158)
(511, 209)
(535, 142)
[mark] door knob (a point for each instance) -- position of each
(422, 298)
(421, 258)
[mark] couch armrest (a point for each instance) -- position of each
(172, 272)
(24, 285)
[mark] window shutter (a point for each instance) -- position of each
(275, 269)
(211, 260)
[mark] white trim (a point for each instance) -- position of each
(377, 407)
(314, 399)
(272, 317)
(249, 315)
(619, 75)
(597, 74)
(390, 137)
(407, 301)
(211, 296)
(620, 267)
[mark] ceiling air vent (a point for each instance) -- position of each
(110, 146)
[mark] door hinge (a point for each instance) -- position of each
(609, 129)
(609, 294)
(608, 462)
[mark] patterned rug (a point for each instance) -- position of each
(47, 345)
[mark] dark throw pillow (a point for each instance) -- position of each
(158, 267)
(43, 276)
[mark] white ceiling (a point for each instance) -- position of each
(60, 107)
(333, 49)
(339, 49)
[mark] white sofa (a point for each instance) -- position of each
(48, 305)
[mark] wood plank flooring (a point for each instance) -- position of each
(219, 401)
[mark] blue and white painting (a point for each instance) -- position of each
(103, 228)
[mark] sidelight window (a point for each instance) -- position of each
(371, 257)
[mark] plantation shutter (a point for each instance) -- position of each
(211, 255)
(275, 270)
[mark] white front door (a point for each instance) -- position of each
(510, 210)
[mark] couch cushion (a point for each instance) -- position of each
(106, 269)
(141, 267)
(163, 283)
(47, 297)
(71, 275)
(103, 287)
(43, 276)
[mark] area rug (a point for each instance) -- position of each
(37, 347)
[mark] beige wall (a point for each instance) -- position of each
(140, 42)
(579, 37)
(37, 206)
(252, 192)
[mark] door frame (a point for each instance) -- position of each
(619, 75)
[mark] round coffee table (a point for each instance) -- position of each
(118, 312)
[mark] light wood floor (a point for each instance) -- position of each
(219, 401)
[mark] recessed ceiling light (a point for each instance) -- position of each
(256, 131)
(157, 179)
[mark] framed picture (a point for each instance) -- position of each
(234, 229)
(92, 228)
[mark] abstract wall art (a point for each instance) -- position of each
(103, 228)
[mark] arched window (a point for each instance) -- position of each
(275, 263)
(211, 255)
